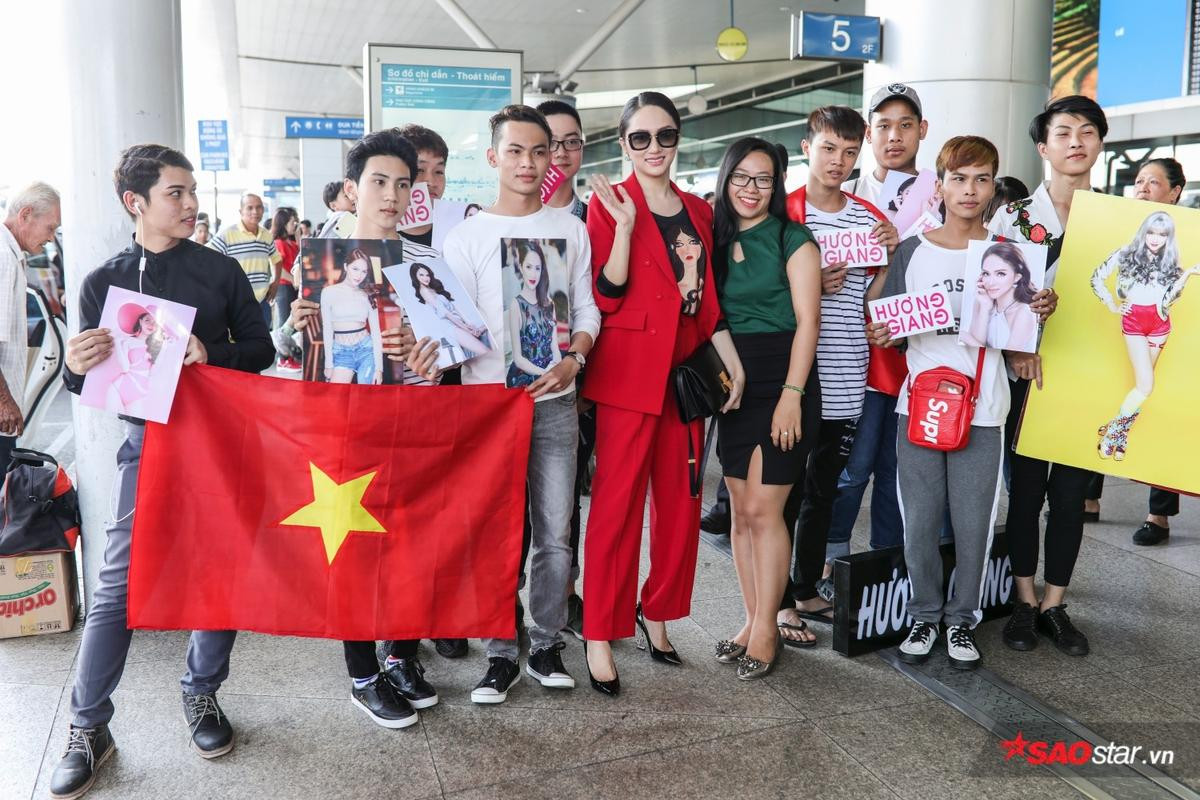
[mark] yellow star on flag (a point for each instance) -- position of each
(336, 509)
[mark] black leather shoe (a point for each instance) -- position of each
(1056, 625)
(212, 735)
(661, 656)
(87, 750)
(407, 677)
(611, 688)
(450, 648)
(716, 521)
(1150, 534)
(501, 676)
(379, 701)
(1020, 632)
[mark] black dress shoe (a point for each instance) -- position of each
(407, 677)
(1150, 534)
(1020, 632)
(87, 749)
(611, 688)
(661, 656)
(212, 735)
(716, 521)
(379, 701)
(450, 648)
(1056, 625)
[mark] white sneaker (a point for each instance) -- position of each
(960, 646)
(916, 647)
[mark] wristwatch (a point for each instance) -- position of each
(578, 358)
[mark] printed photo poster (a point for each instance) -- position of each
(1119, 354)
(537, 308)
(918, 208)
(150, 338)
(999, 284)
(345, 278)
(439, 307)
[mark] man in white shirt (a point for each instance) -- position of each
(525, 265)
(33, 216)
(895, 133)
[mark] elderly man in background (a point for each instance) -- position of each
(33, 216)
(254, 248)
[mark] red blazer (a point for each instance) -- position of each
(630, 363)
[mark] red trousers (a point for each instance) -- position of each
(633, 450)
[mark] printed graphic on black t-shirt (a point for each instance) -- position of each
(686, 254)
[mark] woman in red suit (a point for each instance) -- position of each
(651, 246)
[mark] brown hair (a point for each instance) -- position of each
(965, 151)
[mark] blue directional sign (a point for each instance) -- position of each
(836, 37)
(282, 184)
(323, 127)
(214, 145)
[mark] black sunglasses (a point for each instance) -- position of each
(640, 140)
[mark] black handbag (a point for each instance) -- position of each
(702, 387)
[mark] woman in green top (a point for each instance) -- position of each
(768, 277)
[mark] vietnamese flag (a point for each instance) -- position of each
(331, 510)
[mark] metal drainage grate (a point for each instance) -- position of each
(1004, 709)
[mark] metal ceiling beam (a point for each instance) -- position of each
(594, 42)
(456, 13)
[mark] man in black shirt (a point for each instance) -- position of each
(156, 187)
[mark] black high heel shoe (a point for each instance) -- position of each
(661, 656)
(611, 688)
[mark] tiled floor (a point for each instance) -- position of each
(821, 726)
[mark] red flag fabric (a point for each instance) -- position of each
(331, 510)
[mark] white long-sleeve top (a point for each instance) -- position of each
(474, 251)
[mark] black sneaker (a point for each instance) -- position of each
(1150, 534)
(961, 648)
(1055, 624)
(716, 521)
(574, 616)
(450, 648)
(500, 677)
(212, 735)
(379, 701)
(1020, 632)
(546, 667)
(87, 749)
(407, 677)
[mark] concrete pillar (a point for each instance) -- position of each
(980, 66)
(124, 78)
(320, 163)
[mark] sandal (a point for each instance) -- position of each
(803, 626)
(819, 615)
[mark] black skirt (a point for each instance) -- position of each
(765, 358)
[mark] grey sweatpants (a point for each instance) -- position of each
(106, 633)
(552, 449)
(971, 479)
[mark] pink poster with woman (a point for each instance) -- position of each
(150, 337)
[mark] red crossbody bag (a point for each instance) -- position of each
(941, 405)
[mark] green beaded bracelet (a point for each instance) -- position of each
(799, 389)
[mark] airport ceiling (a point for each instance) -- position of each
(304, 57)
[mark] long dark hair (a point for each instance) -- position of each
(368, 285)
(283, 216)
(725, 219)
(1009, 253)
(524, 248)
(434, 283)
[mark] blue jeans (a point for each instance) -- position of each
(874, 451)
(357, 357)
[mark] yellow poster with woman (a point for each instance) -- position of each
(1121, 388)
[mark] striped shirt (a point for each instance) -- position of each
(842, 352)
(254, 251)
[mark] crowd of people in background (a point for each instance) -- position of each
(816, 410)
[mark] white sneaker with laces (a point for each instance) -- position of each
(960, 646)
(916, 647)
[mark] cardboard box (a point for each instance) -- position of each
(38, 594)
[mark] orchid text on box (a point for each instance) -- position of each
(855, 246)
(916, 312)
(420, 208)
